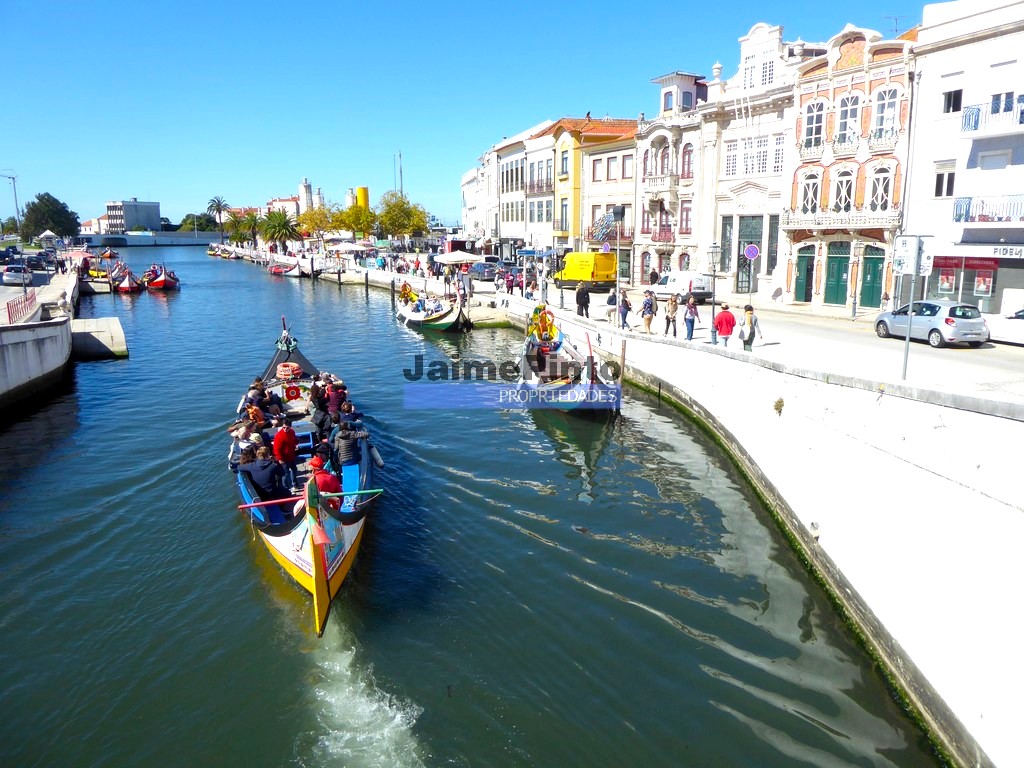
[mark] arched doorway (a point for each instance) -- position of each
(804, 274)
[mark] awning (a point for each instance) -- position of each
(457, 257)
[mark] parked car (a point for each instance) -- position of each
(683, 285)
(17, 274)
(482, 271)
(937, 321)
(1008, 328)
(12, 250)
(35, 262)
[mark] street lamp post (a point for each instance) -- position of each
(714, 252)
(14, 184)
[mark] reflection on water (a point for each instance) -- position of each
(533, 589)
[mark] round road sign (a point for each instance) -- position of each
(751, 252)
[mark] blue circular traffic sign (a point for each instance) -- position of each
(751, 252)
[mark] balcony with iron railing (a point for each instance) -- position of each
(601, 234)
(811, 148)
(663, 234)
(989, 209)
(882, 139)
(856, 218)
(1000, 119)
(560, 225)
(845, 144)
(541, 187)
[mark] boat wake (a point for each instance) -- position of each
(357, 723)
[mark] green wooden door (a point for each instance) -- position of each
(837, 276)
(871, 283)
(804, 275)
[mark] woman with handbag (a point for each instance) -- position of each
(749, 325)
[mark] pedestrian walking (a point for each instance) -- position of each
(690, 316)
(647, 311)
(671, 308)
(725, 322)
(655, 277)
(624, 309)
(749, 325)
(612, 305)
(583, 299)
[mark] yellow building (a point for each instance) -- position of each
(571, 135)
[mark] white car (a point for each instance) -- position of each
(683, 284)
(1008, 328)
(16, 274)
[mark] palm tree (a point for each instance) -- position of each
(233, 225)
(216, 208)
(279, 227)
(252, 223)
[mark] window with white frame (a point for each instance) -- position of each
(849, 119)
(548, 208)
(613, 168)
(598, 169)
(532, 178)
(881, 189)
(627, 166)
(814, 116)
(664, 161)
(885, 112)
(686, 162)
(550, 169)
(748, 157)
(565, 162)
(1002, 102)
(667, 101)
(596, 212)
(780, 153)
(684, 217)
(767, 72)
(749, 68)
(945, 176)
(730, 158)
(810, 192)
(843, 191)
(532, 211)
(952, 100)
(761, 151)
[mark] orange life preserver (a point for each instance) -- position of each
(287, 371)
(292, 392)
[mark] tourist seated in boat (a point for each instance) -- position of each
(286, 445)
(349, 413)
(266, 474)
(337, 394)
(346, 444)
(319, 402)
(434, 306)
(326, 482)
(420, 306)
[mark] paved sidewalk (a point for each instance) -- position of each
(916, 506)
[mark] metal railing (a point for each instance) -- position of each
(663, 235)
(1003, 208)
(845, 145)
(560, 225)
(811, 148)
(20, 308)
(980, 117)
(540, 187)
(600, 234)
(882, 139)
(859, 218)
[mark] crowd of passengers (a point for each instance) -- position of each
(265, 445)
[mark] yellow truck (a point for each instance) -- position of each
(596, 268)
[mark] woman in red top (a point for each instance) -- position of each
(325, 481)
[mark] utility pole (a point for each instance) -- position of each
(401, 186)
(14, 184)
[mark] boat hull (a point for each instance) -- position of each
(451, 320)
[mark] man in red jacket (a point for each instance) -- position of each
(326, 482)
(285, 447)
(725, 322)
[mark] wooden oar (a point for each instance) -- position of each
(352, 493)
(268, 503)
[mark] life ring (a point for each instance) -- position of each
(292, 392)
(286, 371)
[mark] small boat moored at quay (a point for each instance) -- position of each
(555, 374)
(284, 270)
(127, 283)
(110, 253)
(159, 278)
(430, 313)
(315, 534)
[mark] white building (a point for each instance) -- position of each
(608, 181)
(125, 215)
(540, 189)
(965, 186)
(472, 214)
(305, 196)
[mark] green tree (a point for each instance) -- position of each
(165, 224)
(252, 222)
(10, 226)
(216, 208)
(356, 219)
(318, 221)
(47, 212)
(397, 216)
(233, 225)
(204, 222)
(278, 227)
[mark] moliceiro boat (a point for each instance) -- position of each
(431, 314)
(314, 534)
(128, 283)
(555, 374)
(159, 278)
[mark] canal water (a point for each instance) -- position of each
(533, 589)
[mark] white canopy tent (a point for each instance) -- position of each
(457, 257)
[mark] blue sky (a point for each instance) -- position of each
(179, 102)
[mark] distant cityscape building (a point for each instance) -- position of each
(305, 196)
(126, 215)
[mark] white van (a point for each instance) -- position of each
(683, 285)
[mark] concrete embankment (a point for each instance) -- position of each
(903, 503)
(32, 356)
(101, 338)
